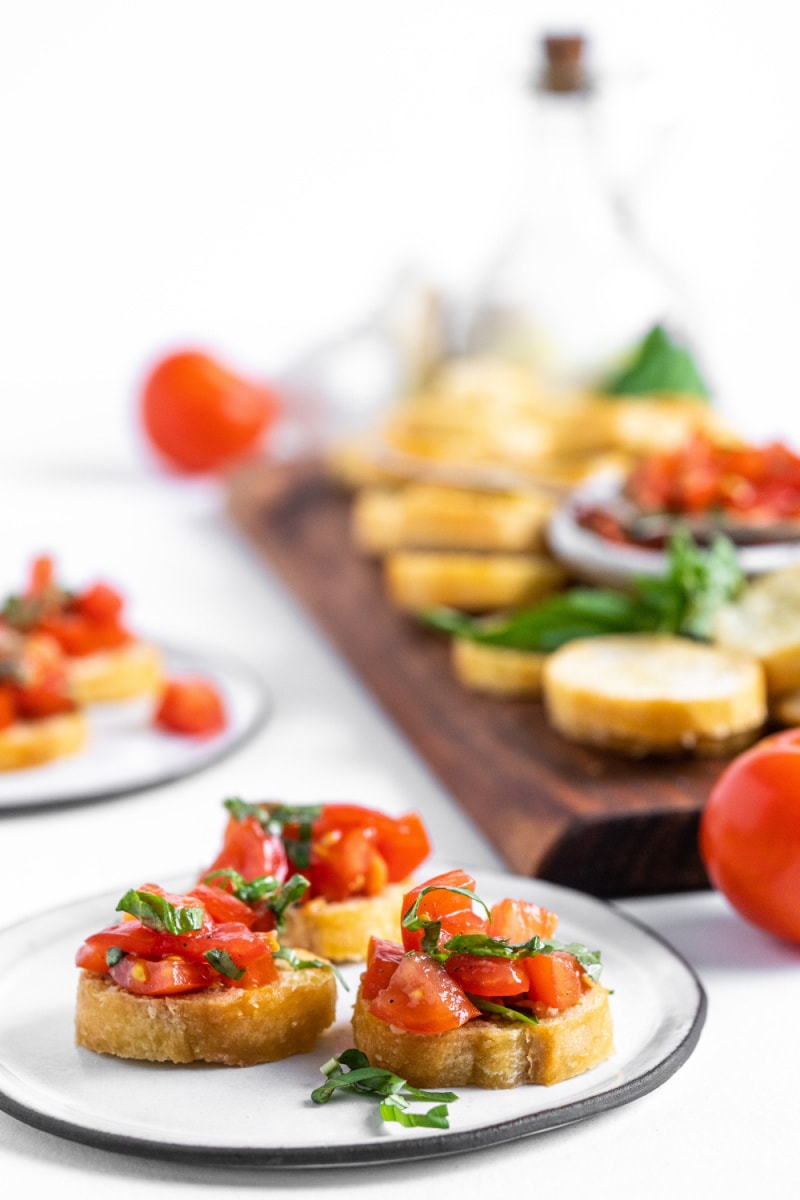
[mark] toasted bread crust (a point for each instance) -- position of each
(235, 1026)
(126, 673)
(32, 743)
(638, 694)
(340, 930)
(497, 670)
(472, 582)
(490, 1052)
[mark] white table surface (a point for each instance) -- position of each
(250, 181)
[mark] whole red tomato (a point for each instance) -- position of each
(750, 834)
(199, 415)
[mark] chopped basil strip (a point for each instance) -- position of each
(157, 913)
(114, 954)
(502, 1010)
(350, 1071)
(276, 895)
(684, 600)
(273, 819)
(221, 961)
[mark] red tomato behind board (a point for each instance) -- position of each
(750, 834)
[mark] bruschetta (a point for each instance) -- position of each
(106, 661)
(185, 978)
(479, 996)
(355, 861)
(40, 719)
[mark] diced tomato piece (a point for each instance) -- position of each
(422, 998)
(41, 576)
(222, 906)
(454, 911)
(99, 602)
(556, 979)
(488, 976)
(248, 849)
(166, 977)
(401, 841)
(520, 920)
(346, 864)
(78, 636)
(261, 972)
(8, 707)
(37, 703)
(381, 964)
(191, 706)
(130, 936)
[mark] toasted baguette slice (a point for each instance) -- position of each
(236, 1026)
(489, 1052)
(131, 671)
(420, 579)
(497, 670)
(32, 743)
(765, 621)
(427, 515)
(640, 694)
(340, 930)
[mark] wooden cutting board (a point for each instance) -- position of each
(566, 814)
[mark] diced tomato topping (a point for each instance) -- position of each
(222, 905)
(79, 636)
(193, 707)
(422, 998)
(346, 864)
(520, 920)
(99, 602)
(248, 849)
(401, 841)
(556, 979)
(382, 959)
(8, 707)
(41, 577)
(455, 912)
(487, 976)
(165, 977)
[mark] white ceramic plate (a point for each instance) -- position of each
(125, 753)
(599, 561)
(263, 1116)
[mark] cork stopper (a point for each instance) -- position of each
(564, 68)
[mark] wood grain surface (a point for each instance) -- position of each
(574, 816)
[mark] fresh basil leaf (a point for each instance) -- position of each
(684, 600)
(658, 364)
(350, 1071)
(277, 896)
(157, 913)
(114, 954)
(221, 961)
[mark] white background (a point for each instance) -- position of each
(251, 177)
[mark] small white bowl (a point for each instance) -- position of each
(597, 560)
